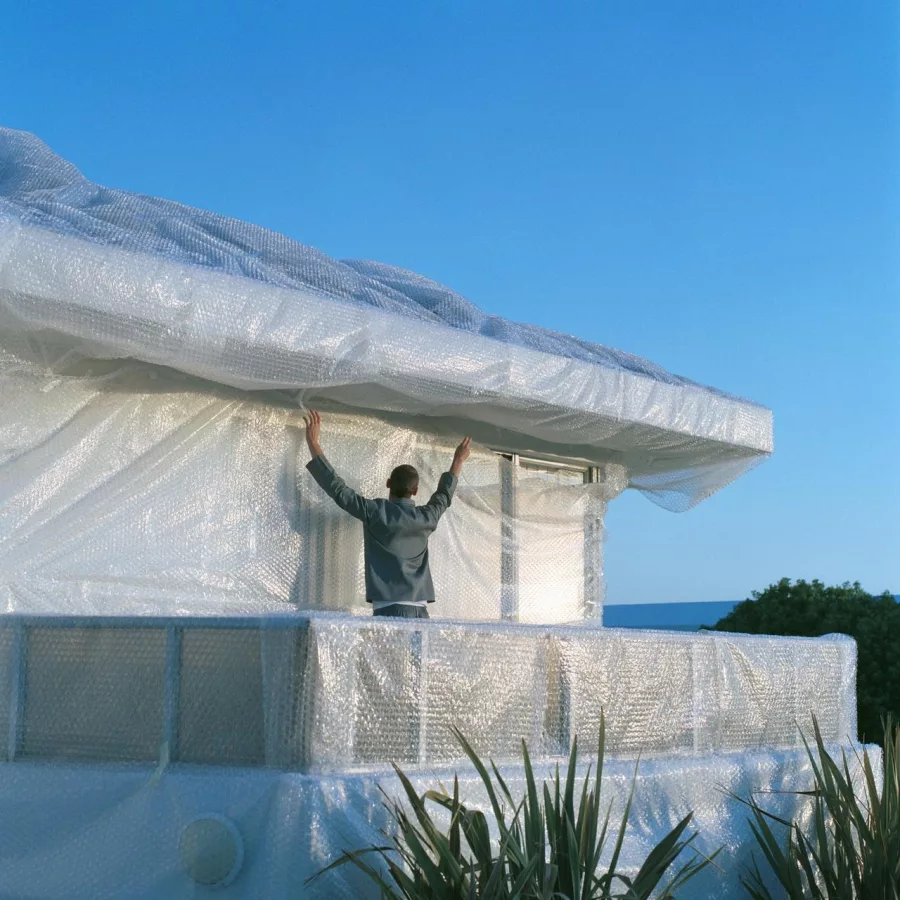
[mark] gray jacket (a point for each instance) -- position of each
(395, 533)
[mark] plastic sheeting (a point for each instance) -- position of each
(125, 488)
(367, 693)
(328, 693)
(90, 833)
(113, 274)
(159, 533)
(123, 732)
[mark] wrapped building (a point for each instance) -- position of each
(186, 664)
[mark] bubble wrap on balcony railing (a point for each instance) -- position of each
(101, 714)
(127, 488)
(375, 692)
(328, 692)
(114, 274)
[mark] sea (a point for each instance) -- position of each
(668, 616)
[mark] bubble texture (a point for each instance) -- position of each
(294, 720)
(114, 274)
(326, 692)
(185, 631)
(128, 489)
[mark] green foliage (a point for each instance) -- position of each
(548, 848)
(810, 609)
(851, 849)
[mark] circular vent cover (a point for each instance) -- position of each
(211, 850)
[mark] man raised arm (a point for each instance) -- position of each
(396, 531)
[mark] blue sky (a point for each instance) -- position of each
(715, 186)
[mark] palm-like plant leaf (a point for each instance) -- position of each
(851, 849)
(549, 844)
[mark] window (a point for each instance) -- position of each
(551, 507)
(94, 693)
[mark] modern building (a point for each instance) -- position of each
(192, 690)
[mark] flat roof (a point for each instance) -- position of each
(125, 275)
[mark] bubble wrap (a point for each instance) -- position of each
(113, 274)
(123, 730)
(92, 833)
(185, 628)
(125, 488)
(331, 692)
(664, 694)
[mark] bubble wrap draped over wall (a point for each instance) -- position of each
(285, 726)
(326, 692)
(114, 274)
(130, 489)
(114, 833)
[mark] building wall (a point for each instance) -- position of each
(126, 488)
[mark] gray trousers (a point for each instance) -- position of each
(402, 611)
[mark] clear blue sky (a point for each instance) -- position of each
(715, 186)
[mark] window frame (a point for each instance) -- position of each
(510, 464)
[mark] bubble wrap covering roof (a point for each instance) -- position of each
(124, 275)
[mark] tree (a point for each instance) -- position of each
(811, 609)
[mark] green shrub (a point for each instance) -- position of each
(547, 850)
(851, 849)
(811, 609)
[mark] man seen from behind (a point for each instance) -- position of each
(396, 531)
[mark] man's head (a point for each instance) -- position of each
(404, 482)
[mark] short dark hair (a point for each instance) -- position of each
(404, 480)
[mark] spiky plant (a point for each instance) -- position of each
(548, 847)
(851, 848)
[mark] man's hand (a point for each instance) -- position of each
(313, 423)
(460, 456)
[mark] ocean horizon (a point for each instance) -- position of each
(686, 616)
(690, 616)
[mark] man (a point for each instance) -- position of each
(396, 531)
